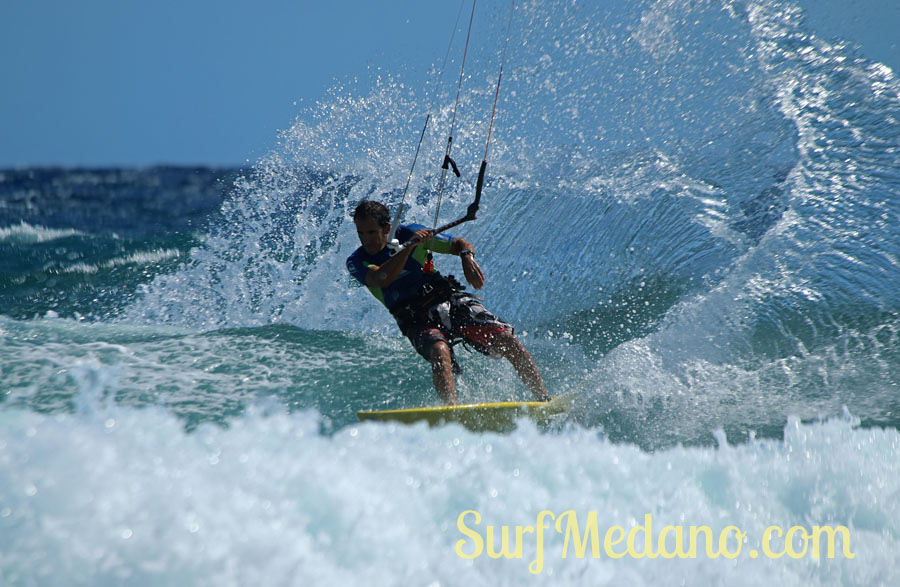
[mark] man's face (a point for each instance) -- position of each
(372, 235)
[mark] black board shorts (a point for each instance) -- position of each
(462, 317)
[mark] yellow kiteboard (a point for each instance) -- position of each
(484, 417)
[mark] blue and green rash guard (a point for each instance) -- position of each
(411, 277)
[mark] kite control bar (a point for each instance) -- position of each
(471, 214)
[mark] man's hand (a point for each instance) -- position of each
(385, 274)
(474, 274)
(422, 236)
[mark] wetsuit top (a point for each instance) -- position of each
(411, 277)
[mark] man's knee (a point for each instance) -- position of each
(505, 342)
(440, 352)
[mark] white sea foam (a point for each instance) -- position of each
(24, 233)
(139, 258)
(117, 495)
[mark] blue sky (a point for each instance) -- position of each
(128, 82)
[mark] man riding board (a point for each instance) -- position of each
(432, 310)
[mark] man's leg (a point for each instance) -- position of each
(442, 372)
(510, 348)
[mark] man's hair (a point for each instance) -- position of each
(371, 209)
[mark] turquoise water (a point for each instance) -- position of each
(691, 217)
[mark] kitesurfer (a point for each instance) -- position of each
(432, 310)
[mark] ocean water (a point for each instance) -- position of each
(692, 216)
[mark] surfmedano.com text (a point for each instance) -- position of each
(582, 538)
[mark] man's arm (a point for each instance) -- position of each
(466, 252)
(384, 275)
